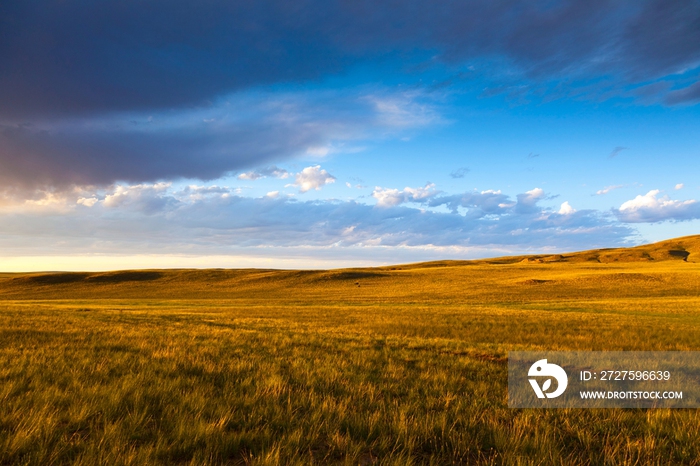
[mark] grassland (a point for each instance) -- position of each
(396, 365)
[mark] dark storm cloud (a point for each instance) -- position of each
(73, 57)
(237, 133)
(687, 95)
(77, 60)
(81, 56)
(35, 158)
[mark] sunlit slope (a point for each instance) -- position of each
(686, 248)
(659, 268)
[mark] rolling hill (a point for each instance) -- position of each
(438, 278)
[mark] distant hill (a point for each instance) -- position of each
(398, 280)
(686, 248)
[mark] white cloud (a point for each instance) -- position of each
(264, 172)
(143, 197)
(194, 192)
(391, 197)
(404, 110)
(527, 202)
(319, 151)
(607, 189)
(88, 202)
(679, 186)
(167, 220)
(479, 204)
(536, 193)
(47, 199)
(566, 209)
(649, 208)
(313, 178)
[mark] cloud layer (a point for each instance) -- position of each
(107, 107)
(100, 92)
(82, 57)
(387, 197)
(213, 219)
(651, 208)
(237, 133)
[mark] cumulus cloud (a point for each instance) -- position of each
(651, 208)
(679, 186)
(200, 192)
(527, 202)
(566, 209)
(194, 189)
(159, 218)
(495, 204)
(143, 197)
(312, 178)
(47, 200)
(392, 197)
(479, 203)
(87, 202)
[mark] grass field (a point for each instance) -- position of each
(396, 365)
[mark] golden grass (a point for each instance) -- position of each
(394, 365)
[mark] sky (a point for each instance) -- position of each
(320, 134)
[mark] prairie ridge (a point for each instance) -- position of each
(222, 283)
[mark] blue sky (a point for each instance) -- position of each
(330, 134)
